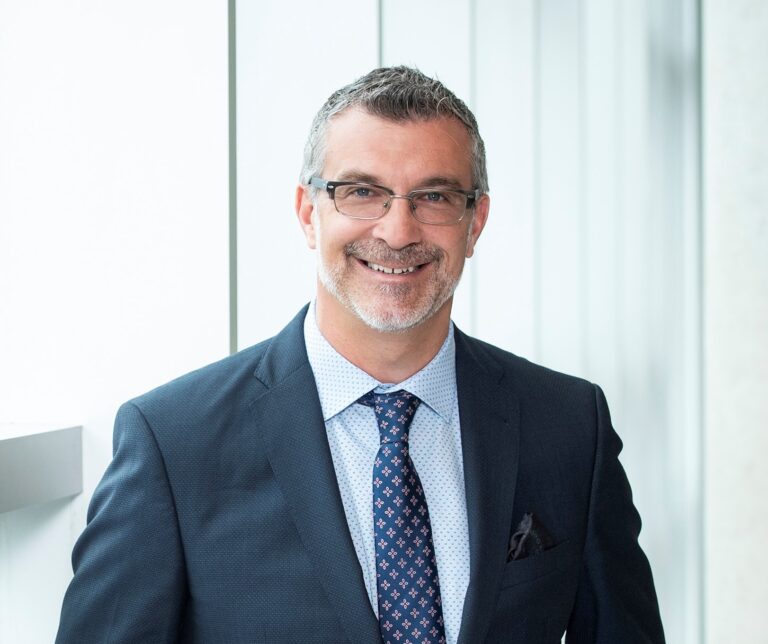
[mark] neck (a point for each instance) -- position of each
(389, 357)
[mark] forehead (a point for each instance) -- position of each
(361, 143)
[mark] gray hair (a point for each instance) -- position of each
(397, 94)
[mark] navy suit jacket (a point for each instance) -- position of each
(219, 519)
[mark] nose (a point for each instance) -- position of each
(398, 228)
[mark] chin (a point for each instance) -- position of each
(390, 321)
(397, 318)
(387, 309)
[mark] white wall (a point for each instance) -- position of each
(736, 317)
(113, 239)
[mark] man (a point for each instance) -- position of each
(370, 474)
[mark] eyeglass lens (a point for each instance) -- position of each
(364, 201)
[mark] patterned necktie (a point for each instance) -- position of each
(410, 609)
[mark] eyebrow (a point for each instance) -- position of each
(439, 182)
(429, 182)
(356, 175)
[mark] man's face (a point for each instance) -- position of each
(402, 156)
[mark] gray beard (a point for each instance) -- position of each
(394, 321)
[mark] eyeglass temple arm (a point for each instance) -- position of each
(317, 182)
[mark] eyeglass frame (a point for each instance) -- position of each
(330, 186)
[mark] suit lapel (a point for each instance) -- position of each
(289, 419)
(489, 439)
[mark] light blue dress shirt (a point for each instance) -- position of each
(435, 447)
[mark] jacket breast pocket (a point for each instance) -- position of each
(536, 597)
(557, 558)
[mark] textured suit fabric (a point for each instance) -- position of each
(219, 519)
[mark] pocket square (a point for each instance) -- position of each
(529, 539)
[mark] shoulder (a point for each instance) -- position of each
(206, 383)
(527, 378)
(559, 415)
(198, 412)
(233, 379)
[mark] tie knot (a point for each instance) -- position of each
(394, 413)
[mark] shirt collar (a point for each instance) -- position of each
(340, 383)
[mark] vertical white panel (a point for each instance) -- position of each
(113, 240)
(434, 36)
(687, 422)
(634, 260)
(641, 403)
(735, 75)
(560, 241)
(672, 114)
(290, 58)
(504, 106)
(602, 175)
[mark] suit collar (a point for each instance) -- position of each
(489, 441)
(290, 422)
(285, 353)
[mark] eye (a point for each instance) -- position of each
(436, 198)
(357, 192)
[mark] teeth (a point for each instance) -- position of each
(391, 271)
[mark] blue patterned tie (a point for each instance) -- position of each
(410, 609)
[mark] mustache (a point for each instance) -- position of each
(378, 252)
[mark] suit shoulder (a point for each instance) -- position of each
(207, 401)
(207, 383)
(526, 375)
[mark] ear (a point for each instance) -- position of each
(304, 210)
(478, 223)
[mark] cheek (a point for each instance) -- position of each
(457, 246)
(331, 239)
(334, 232)
(324, 233)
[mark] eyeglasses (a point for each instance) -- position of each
(437, 206)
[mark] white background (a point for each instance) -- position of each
(113, 240)
(598, 259)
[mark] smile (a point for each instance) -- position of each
(390, 271)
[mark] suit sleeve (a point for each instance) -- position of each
(615, 600)
(129, 583)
